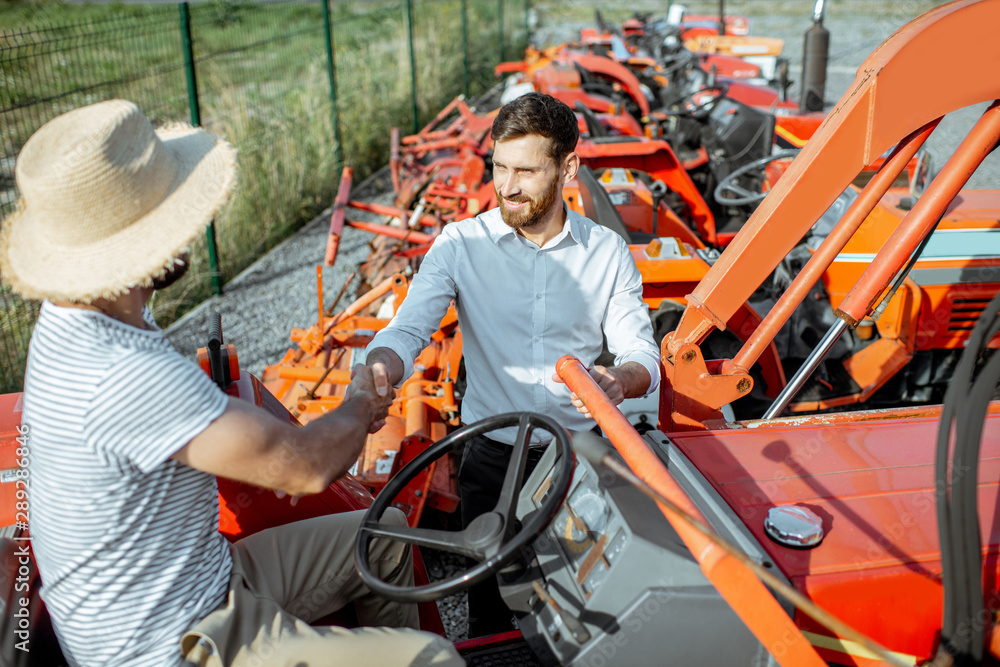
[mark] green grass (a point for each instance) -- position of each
(263, 84)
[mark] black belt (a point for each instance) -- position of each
(505, 446)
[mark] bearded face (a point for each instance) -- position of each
(523, 210)
(527, 181)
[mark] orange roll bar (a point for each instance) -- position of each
(923, 218)
(829, 249)
(737, 584)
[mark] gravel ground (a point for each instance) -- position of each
(278, 292)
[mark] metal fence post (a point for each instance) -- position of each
(527, 23)
(192, 89)
(465, 46)
(331, 68)
(503, 50)
(413, 64)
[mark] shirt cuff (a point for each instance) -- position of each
(386, 339)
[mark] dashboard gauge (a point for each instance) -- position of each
(593, 511)
(576, 540)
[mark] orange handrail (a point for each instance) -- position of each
(741, 589)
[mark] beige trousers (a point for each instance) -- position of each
(285, 577)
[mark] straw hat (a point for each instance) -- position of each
(108, 203)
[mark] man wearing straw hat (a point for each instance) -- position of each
(126, 437)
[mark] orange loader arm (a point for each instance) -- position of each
(885, 105)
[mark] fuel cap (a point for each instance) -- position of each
(794, 526)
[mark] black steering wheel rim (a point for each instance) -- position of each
(699, 110)
(498, 547)
(729, 183)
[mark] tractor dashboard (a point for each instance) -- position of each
(610, 582)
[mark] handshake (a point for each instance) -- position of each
(370, 386)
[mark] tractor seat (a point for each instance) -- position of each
(39, 637)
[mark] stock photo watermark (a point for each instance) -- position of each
(20, 602)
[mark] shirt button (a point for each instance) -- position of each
(538, 296)
(538, 381)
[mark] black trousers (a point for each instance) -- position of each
(480, 480)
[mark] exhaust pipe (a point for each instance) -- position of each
(815, 53)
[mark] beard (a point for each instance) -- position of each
(175, 273)
(533, 212)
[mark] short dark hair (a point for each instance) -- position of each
(537, 113)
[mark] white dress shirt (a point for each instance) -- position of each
(521, 308)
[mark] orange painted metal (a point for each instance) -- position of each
(874, 365)
(731, 45)
(392, 232)
(425, 409)
(229, 357)
(621, 73)
(862, 126)
(949, 306)
(337, 218)
(831, 246)
(879, 562)
(657, 159)
(14, 442)
(693, 390)
(747, 596)
(922, 219)
(319, 294)
(872, 116)
(424, 220)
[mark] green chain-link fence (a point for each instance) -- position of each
(294, 96)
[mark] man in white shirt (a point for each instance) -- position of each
(531, 281)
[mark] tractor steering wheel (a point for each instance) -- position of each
(492, 539)
(702, 109)
(730, 184)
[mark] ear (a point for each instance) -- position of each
(571, 165)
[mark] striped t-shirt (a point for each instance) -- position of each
(126, 538)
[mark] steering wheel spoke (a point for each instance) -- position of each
(514, 479)
(442, 540)
(492, 539)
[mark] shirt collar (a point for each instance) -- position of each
(499, 229)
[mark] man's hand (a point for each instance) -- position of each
(380, 375)
(386, 368)
(607, 379)
(366, 386)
